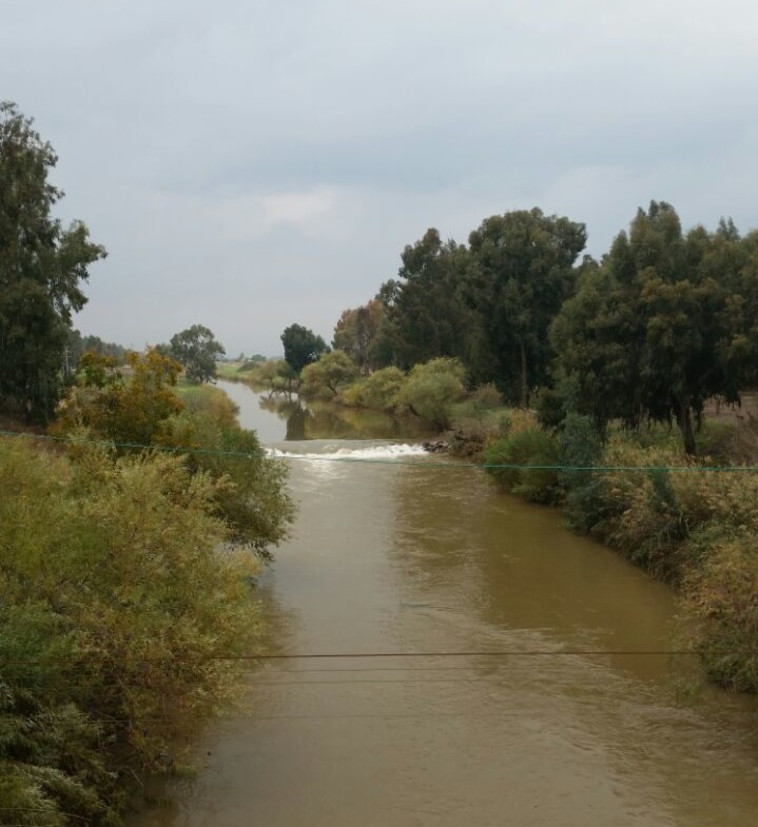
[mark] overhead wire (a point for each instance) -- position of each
(319, 656)
(426, 463)
(393, 461)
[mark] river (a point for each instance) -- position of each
(426, 628)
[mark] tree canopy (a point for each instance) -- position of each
(197, 350)
(301, 346)
(660, 326)
(431, 389)
(42, 267)
(425, 315)
(357, 333)
(129, 405)
(326, 377)
(521, 271)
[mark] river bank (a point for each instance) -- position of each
(432, 640)
(127, 564)
(692, 528)
(690, 523)
(685, 524)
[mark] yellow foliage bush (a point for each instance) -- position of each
(124, 610)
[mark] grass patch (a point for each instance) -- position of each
(233, 371)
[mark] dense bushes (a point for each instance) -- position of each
(525, 444)
(125, 585)
(139, 406)
(325, 378)
(255, 505)
(431, 389)
(428, 392)
(379, 390)
(119, 590)
(696, 529)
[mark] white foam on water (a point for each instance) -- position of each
(373, 452)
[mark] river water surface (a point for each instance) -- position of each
(430, 626)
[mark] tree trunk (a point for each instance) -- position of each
(688, 434)
(524, 387)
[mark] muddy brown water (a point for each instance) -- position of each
(444, 616)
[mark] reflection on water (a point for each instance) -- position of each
(412, 560)
(316, 420)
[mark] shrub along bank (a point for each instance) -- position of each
(695, 528)
(115, 602)
(126, 588)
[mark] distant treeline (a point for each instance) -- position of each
(78, 345)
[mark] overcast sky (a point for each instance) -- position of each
(249, 164)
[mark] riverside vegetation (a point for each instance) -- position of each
(128, 586)
(127, 566)
(693, 527)
(602, 359)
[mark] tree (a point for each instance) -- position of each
(41, 270)
(275, 374)
(325, 378)
(659, 327)
(520, 273)
(301, 346)
(356, 334)
(131, 407)
(425, 315)
(594, 339)
(197, 349)
(77, 345)
(379, 390)
(431, 389)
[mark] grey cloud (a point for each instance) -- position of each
(249, 164)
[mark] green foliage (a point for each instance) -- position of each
(325, 378)
(721, 600)
(129, 405)
(357, 332)
(660, 327)
(78, 345)
(533, 447)
(253, 502)
(520, 272)
(485, 398)
(119, 588)
(550, 408)
(476, 417)
(431, 390)
(274, 374)
(581, 446)
(51, 754)
(41, 270)
(378, 391)
(207, 400)
(196, 349)
(301, 347)
(425, 315)
(139, 407)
